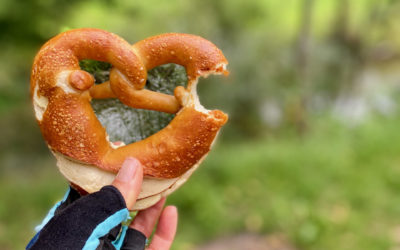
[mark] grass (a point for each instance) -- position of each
(335, 188)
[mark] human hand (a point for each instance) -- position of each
(93, 221)
(128, 182)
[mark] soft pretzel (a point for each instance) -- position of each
(61, 94)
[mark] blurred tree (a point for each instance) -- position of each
(298, 114)
(298, 55)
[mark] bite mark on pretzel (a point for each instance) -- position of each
(61, 94)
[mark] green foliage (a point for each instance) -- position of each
(337, 195)
(334, 187)
(99, 70)
(272, 57)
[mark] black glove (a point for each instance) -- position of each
(89, 222)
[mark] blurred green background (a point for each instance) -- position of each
(310, 156)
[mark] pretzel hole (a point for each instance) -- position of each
(127, 124)
(99, 70)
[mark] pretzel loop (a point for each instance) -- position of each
(197, 55)
(61, 94)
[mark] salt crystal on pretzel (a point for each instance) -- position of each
(61, 94)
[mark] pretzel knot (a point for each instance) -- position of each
(61, 94)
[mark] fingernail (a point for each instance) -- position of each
(128, 170)
(174, 209)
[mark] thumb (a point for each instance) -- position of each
(129, 180)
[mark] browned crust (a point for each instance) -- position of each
(70, 126)
(102, 91)
(141, 98)
(173, 150)
(197, 54)
(64, 51)
(81, 80)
